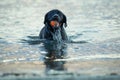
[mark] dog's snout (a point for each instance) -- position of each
(56, 17)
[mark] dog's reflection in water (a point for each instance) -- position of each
(56, 51)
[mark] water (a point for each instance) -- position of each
(93, 30)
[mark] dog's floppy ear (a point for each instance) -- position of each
(64, 20)
(45, 18)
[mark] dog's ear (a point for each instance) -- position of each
(46, 18)
(64, 20)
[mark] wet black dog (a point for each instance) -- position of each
(54, 21)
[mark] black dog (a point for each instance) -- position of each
(54, 21)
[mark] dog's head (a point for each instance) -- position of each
(55, 19)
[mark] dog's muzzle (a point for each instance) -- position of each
(55, 21)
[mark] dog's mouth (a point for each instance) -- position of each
(54, 23)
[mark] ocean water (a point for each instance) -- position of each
(93, 30)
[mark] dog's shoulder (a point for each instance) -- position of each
(45, 33)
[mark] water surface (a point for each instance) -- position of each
(93, 30)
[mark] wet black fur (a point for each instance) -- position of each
(48, 31)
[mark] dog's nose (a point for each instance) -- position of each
(56, 17)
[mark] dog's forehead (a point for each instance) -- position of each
(53, 12)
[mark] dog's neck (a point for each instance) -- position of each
(56, 33)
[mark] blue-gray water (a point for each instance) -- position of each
(93, 29)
